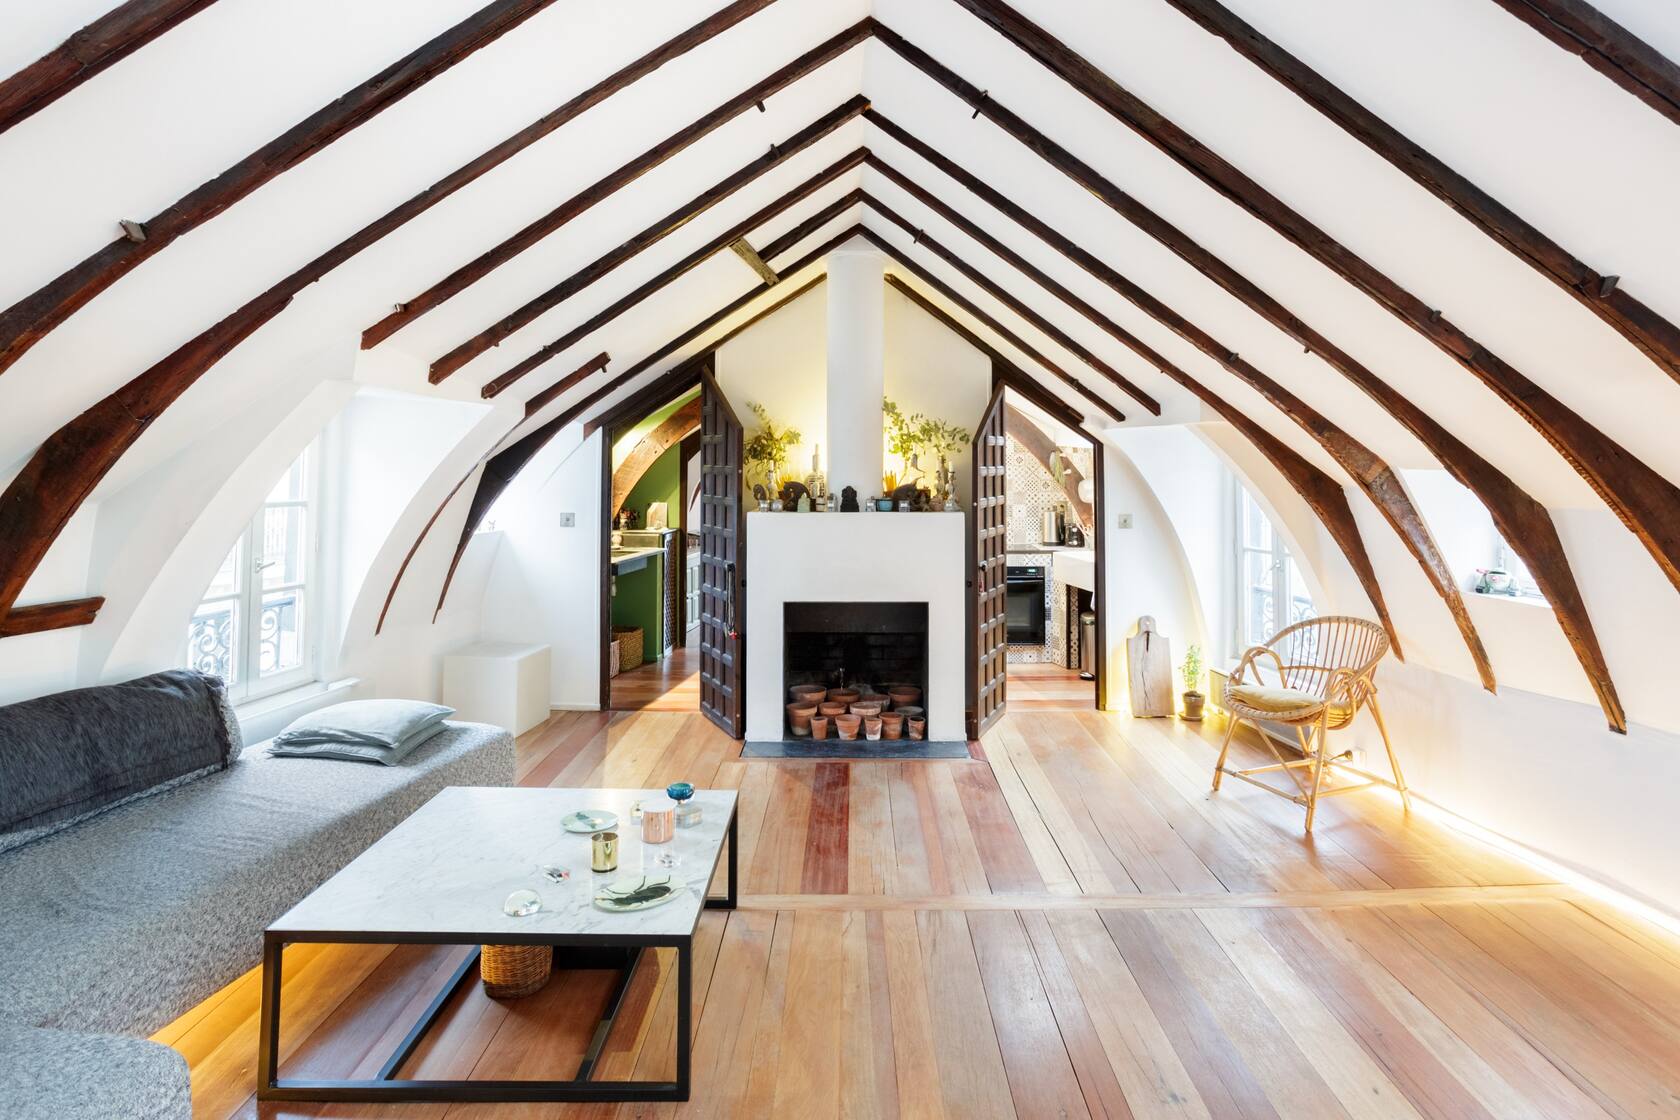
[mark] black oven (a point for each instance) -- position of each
(1026, 604)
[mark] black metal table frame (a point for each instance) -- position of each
(622, 952)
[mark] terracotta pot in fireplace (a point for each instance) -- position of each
(819, 727)
(866, 709)
(807, 693)
(918, 728)
(872, 727)
(843, 695)
(831, 708)
(910, 711)
(892, 725)
(904, 694)
(799, 717)
(848, 726)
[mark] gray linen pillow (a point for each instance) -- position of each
(377, 723)
(358, 752)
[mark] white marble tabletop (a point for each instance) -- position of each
(448, 868)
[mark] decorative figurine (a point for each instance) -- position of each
(848, 499)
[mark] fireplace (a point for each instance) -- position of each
(880, 597)
(841, 645)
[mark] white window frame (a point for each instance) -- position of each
(1278, 560)
(248, 684)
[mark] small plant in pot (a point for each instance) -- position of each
(768, 447)
(1191, 671)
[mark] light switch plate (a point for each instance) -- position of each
(1124, 521)
(568, 520)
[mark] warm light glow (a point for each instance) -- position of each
(1562, 873)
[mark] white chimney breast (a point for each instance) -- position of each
(856, 368)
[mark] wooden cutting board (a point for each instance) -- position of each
(1149, 664)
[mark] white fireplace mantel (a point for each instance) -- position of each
(857, 558)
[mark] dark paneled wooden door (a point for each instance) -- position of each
(989, 572)
(723, 558)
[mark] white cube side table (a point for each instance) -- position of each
(504, 683)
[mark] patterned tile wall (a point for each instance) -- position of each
(1031, 492)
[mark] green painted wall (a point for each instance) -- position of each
(637, 604)
(661, 483)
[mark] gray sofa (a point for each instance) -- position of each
(116, 925)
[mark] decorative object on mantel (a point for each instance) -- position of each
(792, 493)
(1191, 671)
(848, 499)
(769, 446)
(1149, 663)
(804, 503)
(815, 483)
(762, 495)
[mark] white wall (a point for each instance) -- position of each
(931, 371)
(544, 585)
(780, 362)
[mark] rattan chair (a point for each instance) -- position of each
(1327, 670)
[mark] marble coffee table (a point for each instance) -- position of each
(442, 876)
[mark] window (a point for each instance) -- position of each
(252, 628)
(1270, 591)
(1521, 582)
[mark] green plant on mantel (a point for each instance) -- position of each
(769, 446)
(1191, 670)
(942, 439)
(909, 437)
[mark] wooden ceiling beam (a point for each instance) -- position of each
(649, 448)
(742, 248)
(535, 231)
(1607, 47)
(107, 40)
(677, 219)
(1646, 502)
(1656, 337)
(902, 261)
(1321, 492)
(1523, 522)
(630, 300)
(582, 407)
(1035, 441)
(30, 319)
(78, 455)
(1003, 296)
(1364, 466)
(38, 618)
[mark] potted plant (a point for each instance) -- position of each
(941, 439)
(768, 447)
(1191, 671)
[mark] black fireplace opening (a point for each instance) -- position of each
(849, 645)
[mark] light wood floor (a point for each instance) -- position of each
(1044, 686)
(671, 684)
(1067, 925)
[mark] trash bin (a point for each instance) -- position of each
(1087, 645)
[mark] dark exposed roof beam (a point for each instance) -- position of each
(1363, 465)
(1647, 503)
(779, 154)
(107, 40)
(31, 318)
(1521, 520)
(1656, 337)
(631, 299)
(79, 454)
(1321, 492)
(1607, 47)
(535, 231)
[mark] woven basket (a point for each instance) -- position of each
(511, 971)
(612, 659)
(629, 647)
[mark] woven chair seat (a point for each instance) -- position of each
(1283, 705)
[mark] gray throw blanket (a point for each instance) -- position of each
(70, 755)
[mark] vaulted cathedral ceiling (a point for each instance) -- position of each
(1368, 237)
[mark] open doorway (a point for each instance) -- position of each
(1054, 651)
(651, 636)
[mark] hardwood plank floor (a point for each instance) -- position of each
(1043, 686)
(1066, 924)
(671, 684)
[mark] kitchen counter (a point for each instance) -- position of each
(632, 559)
(1076, 567)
